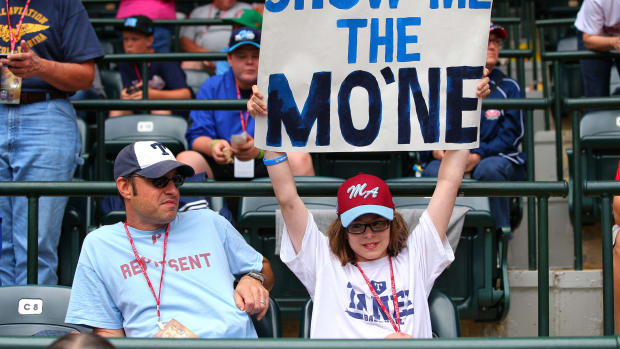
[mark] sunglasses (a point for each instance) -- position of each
(376, 226)
(163, 181)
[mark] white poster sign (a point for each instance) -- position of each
(371, 75)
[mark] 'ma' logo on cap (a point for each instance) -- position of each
(359, 190)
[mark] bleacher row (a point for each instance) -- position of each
(476, 282)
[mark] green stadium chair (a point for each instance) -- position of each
(112, 83)
(269, 326)
(477, 280)
(166, 129)
(444, 317)
(35, 310)
(600, 153)
(256, 222)
(72, 233)
(570, 71)
(346, 165)
(195, 79)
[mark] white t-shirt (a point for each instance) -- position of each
(212, 37)
(599, 17)
(343, 304)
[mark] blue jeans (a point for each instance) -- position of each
(492, 168)
(38, 142)
(595, 73)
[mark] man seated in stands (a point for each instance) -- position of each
(209, 38)
(162, 273)
(222, 139)
(598, 24)
(166, 80)
(498, 158)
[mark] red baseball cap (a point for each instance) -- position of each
(364, 194)
(499, 30)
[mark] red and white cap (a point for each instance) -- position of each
(364, 194)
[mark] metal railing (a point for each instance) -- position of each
(610, 342)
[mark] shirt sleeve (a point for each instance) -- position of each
(190, 31)
(590, 18)
(90, 303)
(78, 39)
(304, 263)
(242, 258)
(427, 250)
(202, 122)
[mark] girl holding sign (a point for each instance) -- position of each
(368, 276)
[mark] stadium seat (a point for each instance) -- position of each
(570, 71)
(477, 280)
(600, 152)
(35, 310)
(444, 317)
(112, 83)
(195, 79)
(166, 129)
(256, 222)
(72, 233)
(269, 326)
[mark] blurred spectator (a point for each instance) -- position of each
(209, 38)
(598, 24)
(81, 341)
(54, 55)
(246, 18)
(616, 256)
(498, 158)
(153, 9)
(224, 137)
(166, 80)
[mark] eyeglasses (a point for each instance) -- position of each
(497, 42)
(163, 181)
(376, 226)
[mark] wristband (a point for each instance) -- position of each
(213, 143)
(275, 161)
(261, 153)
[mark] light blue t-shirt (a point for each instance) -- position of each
(204, 253)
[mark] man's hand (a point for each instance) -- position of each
(472, 161)
(218, 151)
(135, 95)
(438, 154)
(256, 103)
(25, 64)
(616, 43)
(251, 297)
(484, 89)
(246, 151)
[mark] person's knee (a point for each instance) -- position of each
(491, 169)
(195, 160)
(301, 164)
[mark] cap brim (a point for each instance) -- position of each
(237, 45)
(161, 168)
(349, 216)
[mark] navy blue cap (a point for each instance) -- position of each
(243, 36)
(149, 159)
(141, 24)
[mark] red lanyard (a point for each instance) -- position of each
(13, 35)
(141, 263)
(244, 119)
(394, 297)
(135, 67)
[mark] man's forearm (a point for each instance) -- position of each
(67, 76)
(600, 42)
(182, 93)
